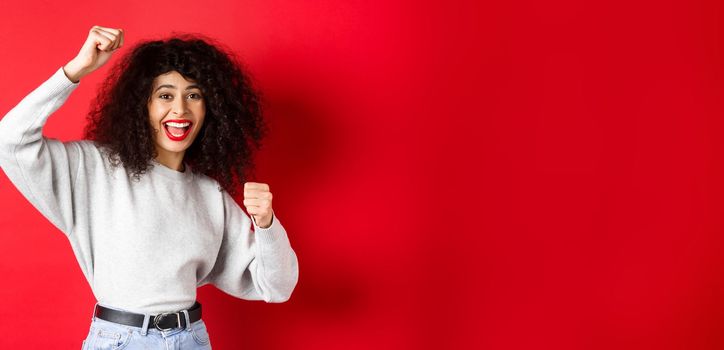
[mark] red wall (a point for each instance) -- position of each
(508, 175)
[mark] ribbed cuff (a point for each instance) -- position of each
(59, 82)
(270, 234)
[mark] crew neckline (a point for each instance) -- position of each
(159, 168)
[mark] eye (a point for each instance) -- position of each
(161, 96)
(198, 97)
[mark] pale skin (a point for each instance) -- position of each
(181, 99)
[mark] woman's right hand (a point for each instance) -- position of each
(101, 43)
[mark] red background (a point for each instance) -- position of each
(498, 175)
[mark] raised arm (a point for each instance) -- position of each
(44, 169)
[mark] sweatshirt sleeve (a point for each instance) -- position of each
(43, 169)
(258, 265)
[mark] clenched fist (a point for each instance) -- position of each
(97, 49)
(258, 203)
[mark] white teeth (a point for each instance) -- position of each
(178, 125)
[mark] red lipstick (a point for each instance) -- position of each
(180, 137)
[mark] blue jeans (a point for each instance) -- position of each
(108, 335)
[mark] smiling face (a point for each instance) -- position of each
(176, 109)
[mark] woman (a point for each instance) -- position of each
(145, 199)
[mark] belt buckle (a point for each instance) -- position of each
(160, 316)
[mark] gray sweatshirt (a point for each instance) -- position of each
(143, 246)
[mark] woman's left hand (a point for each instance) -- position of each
(258, 203)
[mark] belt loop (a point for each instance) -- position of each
(188, 320)
(93, 318)
(144, 328)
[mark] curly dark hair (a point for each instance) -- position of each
(233, 125)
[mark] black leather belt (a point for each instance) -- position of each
(162, 321)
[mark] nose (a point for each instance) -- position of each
(178, 107)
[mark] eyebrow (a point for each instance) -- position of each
(173, 87)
